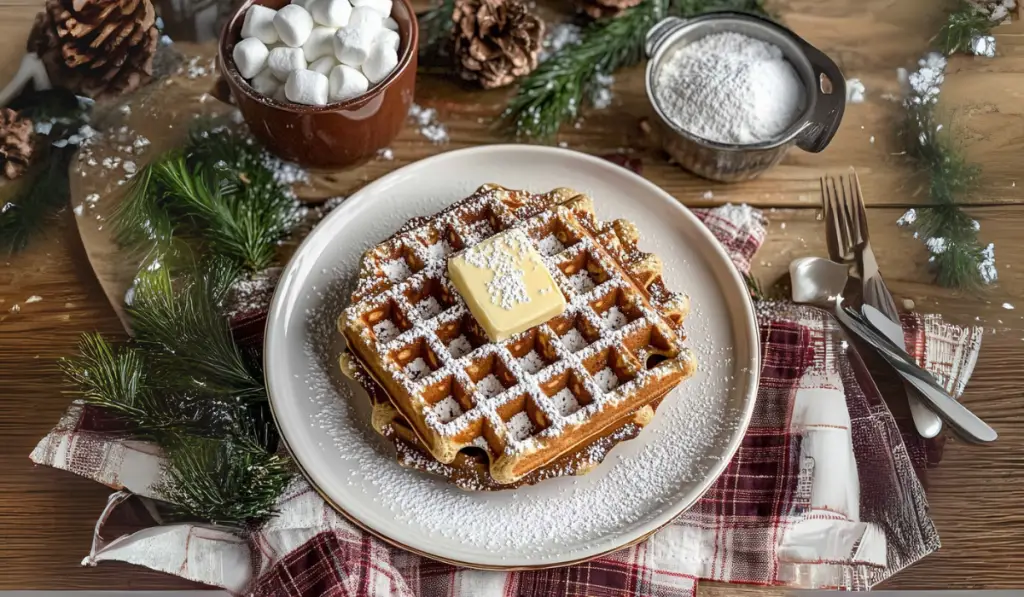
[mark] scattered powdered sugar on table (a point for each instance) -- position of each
(426, 118)
(730, 88)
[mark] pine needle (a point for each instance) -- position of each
(184, 326)
(961, 27)
(220, 190)
(39, 201)
(554, 93)
(435, 29)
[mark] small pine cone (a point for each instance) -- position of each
(96, 48)
(495, 41)
(597, 9)
(15, 143)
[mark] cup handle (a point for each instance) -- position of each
(830, 91)
(222, 91)
(657, 34)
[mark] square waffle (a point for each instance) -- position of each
(546, 392)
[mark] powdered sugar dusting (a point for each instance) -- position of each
(490, 386)
(574, 340)
(581, 282)
(565, 401)
(396, 270)
(560, 517)
(606, 379)
(531, 362)
(386, 331)
(520, 427)
(459, 346)
(428, 307)
(447, 409)
(614, 318)
(417, 369)
(550, 245)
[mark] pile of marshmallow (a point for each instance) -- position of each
(317, 51)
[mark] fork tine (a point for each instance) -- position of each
(852, 210)
(845, 238)
(832, 233)
(862, 212)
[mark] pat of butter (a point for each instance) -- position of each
(506, 284)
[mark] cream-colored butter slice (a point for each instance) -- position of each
(505, 284)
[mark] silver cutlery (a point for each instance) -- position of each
(820, 282)
(846, 226)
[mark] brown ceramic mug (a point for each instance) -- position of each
(336, 135)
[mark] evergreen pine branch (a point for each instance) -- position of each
(218, 189)
(180, 321)
(232, 481)
(961, 27)
(957, 257)
(435, 28)
(39, 201)
(554, 93)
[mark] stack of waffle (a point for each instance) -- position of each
(550, 401)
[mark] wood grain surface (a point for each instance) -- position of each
(46, 516)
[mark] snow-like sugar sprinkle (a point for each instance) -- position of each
(386, 331)
(428, 307)
(439, 250)
(613, 318)
(519, 426)
(574, 341)
(565, 402)
(459, 346)
(532, 362)
(396, 269)
(581, 282)
(490, 386)
(417, 368)
(550, 245)
(908, 218)
(447, 409)
(606, 379)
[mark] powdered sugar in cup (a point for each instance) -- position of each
(731, 93)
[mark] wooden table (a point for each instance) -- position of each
(47, 517)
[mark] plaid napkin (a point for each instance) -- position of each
(821, 494)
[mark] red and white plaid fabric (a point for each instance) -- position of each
(821, 494)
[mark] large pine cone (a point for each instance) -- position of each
(495, 41)
(15, 143)
(597, 9)
(96, 48)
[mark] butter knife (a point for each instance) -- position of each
(928, 423)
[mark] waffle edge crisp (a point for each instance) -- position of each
(551, 400)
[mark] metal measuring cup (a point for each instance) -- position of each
(824, 103)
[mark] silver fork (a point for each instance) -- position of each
(849, 244)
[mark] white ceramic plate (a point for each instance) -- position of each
(640, 486)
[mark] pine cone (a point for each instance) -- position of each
(15, 143)
(597, 9)
(96, 48)
(495, 41)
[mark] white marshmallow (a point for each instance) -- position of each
(365, 16)
(293, 24)
(303, 3)
(324, 65)
(250, 57)
(379, 63)
(306, 87)
(266, 83)
(332, 13)
(284, 60)
(347, 82)
(259, 23)
(391, 24)
(280, 96)
(382, 7)
(389, 38)
(352, 44)
(319, 44)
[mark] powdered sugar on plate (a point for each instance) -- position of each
(643, 482)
